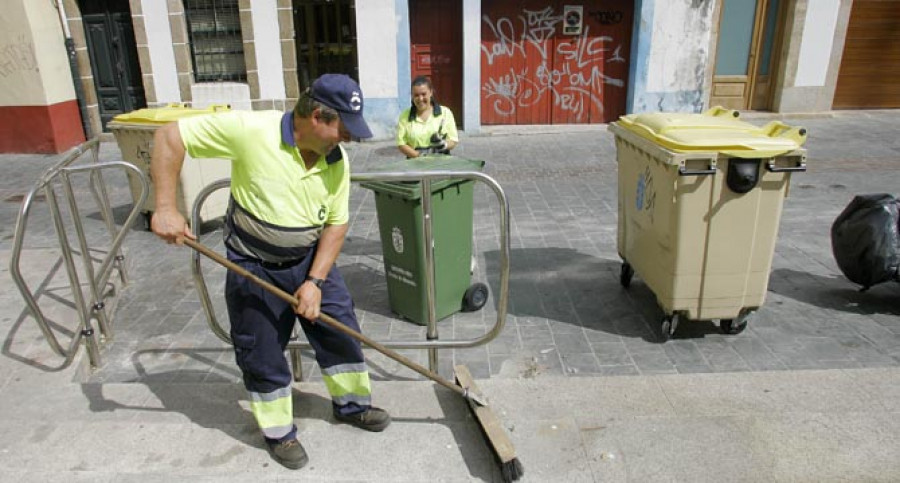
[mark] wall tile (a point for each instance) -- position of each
(253, 82)
(185, 80)
(149, 89)
(136, 7)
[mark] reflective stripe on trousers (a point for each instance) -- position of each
(261, 325)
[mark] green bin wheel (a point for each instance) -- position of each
(625, 274)
(475, 298)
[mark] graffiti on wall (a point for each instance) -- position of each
(17, 56)
(571, 73)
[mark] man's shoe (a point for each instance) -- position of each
(372, 419)
(289, 453)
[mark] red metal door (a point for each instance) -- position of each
(436, 37)
(537, 68)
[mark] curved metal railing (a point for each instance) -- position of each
(432, 342)
(94, 306)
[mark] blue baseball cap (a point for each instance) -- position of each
(341, 93)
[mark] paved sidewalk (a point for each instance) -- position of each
(807, 393)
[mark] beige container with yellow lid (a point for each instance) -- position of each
(700, 200)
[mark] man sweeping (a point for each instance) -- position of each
(286, 222)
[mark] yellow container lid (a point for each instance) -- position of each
(717, 130)
(163, 115)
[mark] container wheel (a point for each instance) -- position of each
(668, 325)
(475, 298)
(737, 325)
(625, 274)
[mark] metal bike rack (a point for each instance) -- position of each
(95, 306)
(432, 343)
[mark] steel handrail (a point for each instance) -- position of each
(432, 343)
(113, 259)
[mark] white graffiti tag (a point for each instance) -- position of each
(540, 27)
(506, 45)
(17, 56)
(512, 90)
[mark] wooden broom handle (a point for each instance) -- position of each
(206, 251)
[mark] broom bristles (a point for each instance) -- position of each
(512, 470)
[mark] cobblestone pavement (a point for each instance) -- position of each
(568, 314)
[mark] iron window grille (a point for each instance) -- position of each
(325, 36)
(217, 46)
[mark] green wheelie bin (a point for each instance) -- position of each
(399, 209)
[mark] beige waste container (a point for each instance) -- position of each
(134, 135)
(700, 199)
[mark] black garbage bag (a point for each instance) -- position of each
(865, 239)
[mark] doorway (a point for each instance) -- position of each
(747, 54)
(109, 36)
(555, 61)
(325, 39)
(435, 35)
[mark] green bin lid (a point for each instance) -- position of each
(718, 130)
(162, 115)
(412, 190)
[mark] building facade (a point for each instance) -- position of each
(38, 106)
(497, 62)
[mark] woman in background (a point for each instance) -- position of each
(426, 127)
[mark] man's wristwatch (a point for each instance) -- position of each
(316, 281)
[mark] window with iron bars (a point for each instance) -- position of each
(325, 35)
(217, 47)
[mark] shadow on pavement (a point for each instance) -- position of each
(836, 293)
(213, 404)
(567, 286)
(120, 215)
(470, 440)
(61, 320)
(207, 398)
(358, 246)
(213, 401)
(368, 288)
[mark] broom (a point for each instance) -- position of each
(511, 468)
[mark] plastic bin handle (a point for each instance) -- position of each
(771, 167)
(782, 130)
(719, 111)
(682, 171)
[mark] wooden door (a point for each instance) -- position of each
(766, 66)
(747, 53)
(870, 66)
(114, 60)
(436, 42)
(589, 69)
(554, 62)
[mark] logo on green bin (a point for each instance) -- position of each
(397, 239)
